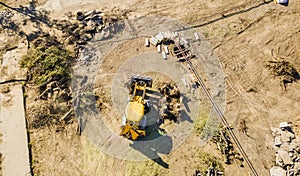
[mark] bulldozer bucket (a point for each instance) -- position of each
(145, 79)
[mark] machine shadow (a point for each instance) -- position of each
(156, 141)
(151, 149)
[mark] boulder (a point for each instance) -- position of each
(286, 136)
(277, 171)
(297, 168)
(283, 125)
(275, 131)
(284, 155)
(286, 147)
(277, 141)
(296, 144)
(279, 161)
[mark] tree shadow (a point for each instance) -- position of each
(6, 21)
(36, 16)
(224, 15)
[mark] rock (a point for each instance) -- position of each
(291, 154)
(296, 144)
(277, 171)
(279, 161)
(284, 155)
(284, 125)
(297, 168)
(275, 130)
(277, 141)
(286, 147)
(286, 136)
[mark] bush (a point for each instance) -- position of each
(200, 123)
(48, 63)
(207, 160)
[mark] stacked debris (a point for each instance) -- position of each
(90, 23)
(224, 144)
(287, 147)
(162, 41)
(284, 70)
(163, 37)
(170, 103)
(87, 25)
(170, 43)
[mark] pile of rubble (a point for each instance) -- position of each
(90, 23)
(287, 147)
(221, 138)
(285, 70)
(170, 103)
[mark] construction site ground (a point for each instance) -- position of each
(244, 38)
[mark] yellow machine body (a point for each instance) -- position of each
(135, 110)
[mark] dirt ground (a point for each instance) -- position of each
(244, 39)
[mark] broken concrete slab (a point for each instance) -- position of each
(147, 42)
(153, 41)
(277, 171)
(286, 147)
(166, 49)
(275, 130)
(160, 37)
(164, 55)
(284, 155)
(297, 168)
(196, 36)
(159, 48)
(286, 136)
(295, 143)
(277, 141)
(284, 125)
(278, 159)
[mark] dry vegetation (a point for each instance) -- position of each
(253, 96)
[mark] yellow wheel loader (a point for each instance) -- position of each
(134, 121)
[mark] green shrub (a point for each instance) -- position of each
(200, 123)
(207, 160)
(48, 63)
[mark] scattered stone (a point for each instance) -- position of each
(279, 161)
(284, 155)
(147, 42)
(297, 168)
(196, 36)
(286, 136)
(284, 125)
(287, 145)
(159, 48)
(153, 41)
(277, 171)
(275, 130)
(277, 141)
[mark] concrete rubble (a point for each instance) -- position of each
(287, 147)
(90, 23)
(161, 41)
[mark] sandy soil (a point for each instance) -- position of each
(244, 41)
